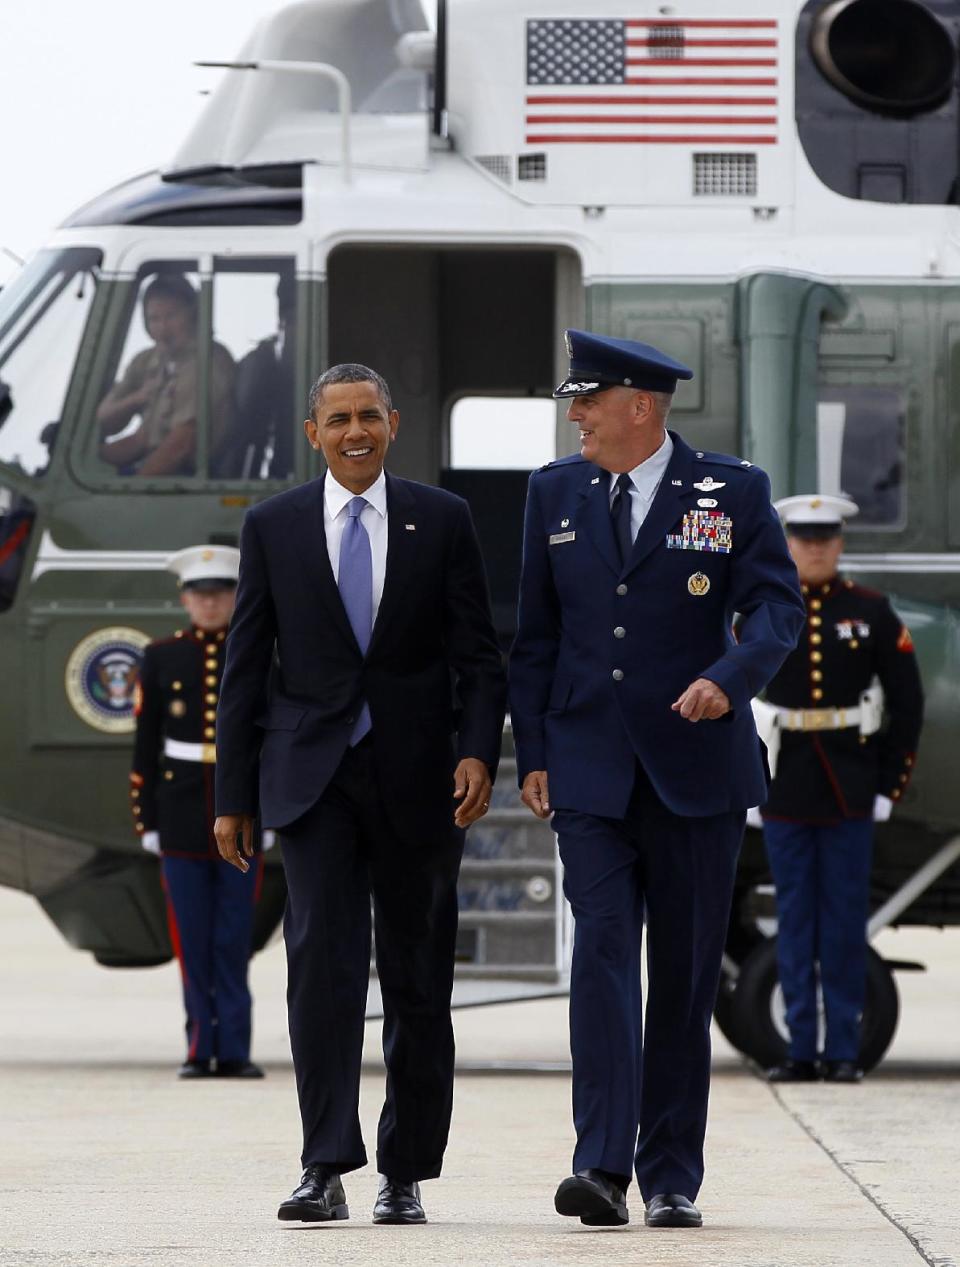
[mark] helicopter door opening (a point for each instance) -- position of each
(468, 339)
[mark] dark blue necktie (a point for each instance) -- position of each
(620, 514)
(355, 580)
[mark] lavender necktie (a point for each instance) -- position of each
(355, 580)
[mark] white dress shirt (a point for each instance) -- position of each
(374, 519)
(646, 480)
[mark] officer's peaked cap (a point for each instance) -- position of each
(201, 567)
(815, 514)
(597, 362)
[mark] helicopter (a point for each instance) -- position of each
(768, 191)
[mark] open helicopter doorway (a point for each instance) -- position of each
(469, 340)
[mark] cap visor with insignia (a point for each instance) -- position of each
(815, 516)
(598, 362)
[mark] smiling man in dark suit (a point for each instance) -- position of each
(363, 695)
(630, 703)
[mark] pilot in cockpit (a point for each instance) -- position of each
(160, 386)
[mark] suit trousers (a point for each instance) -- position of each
(640, 1100)
(210, 908)
(822, 878)
(338, 855)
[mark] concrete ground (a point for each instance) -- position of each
(108, 1161)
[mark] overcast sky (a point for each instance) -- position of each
(94, 91)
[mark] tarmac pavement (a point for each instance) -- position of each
(108, 1161)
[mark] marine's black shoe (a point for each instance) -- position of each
(238, 1069)
(319, 1198)
(840, 1071)
(794, 1071)
(194, 1069)
(594, 1197)
(670, 1209)
(398, 1202)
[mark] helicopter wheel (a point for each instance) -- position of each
(757, 1013)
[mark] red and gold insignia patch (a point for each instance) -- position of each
(137, 699)
(904, 642)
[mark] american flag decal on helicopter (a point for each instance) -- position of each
(666, 81)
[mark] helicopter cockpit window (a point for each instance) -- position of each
(149, 417)
(255, 319)
(43, 313)
(861, 437)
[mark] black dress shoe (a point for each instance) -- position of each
(841, 1071)
(194, 1069)
(398, 1202)
(318, 1199)
(238, 1069)
(794, 1071)
(670, 1209)
(593, 1196)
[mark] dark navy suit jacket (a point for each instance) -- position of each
(432, 675)
(586, 728)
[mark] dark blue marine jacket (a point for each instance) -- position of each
(602, 651)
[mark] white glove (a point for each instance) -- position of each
(753, 817)
(150, 840)
(268, 838)
(882, 808)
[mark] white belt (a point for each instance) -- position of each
(205, 752)
(818, 718)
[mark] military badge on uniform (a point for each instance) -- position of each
(558, 538)
(177, 708)
(707, 503)
(707, 530)
(699, 584)
(708, 484)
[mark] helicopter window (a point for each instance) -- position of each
(43, 314)
(255, 319)
(861, 434)
(148, 419)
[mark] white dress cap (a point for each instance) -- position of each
(815, 508)
(206, 563)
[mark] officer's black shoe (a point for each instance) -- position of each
(194, 1069)
(840, 1071)
(670, 1209)
(794, 1071)
(238, 1069)
(319, 1198)
(595, 1197)
(398, 1202)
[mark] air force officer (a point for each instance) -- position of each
(631, 713)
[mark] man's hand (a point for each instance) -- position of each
(231, 830)
(534, 793)
(471, 787)
(702, 700)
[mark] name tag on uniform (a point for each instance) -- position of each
(558, 538)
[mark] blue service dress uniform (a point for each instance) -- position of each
(649, 808)
(818, 817)
(210, 906)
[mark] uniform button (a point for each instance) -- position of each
(815, 604)
(909, 762)
(211, 648)
(895, 794)
(699, 455)
(178, 686)
(816, 676)
(903, 778)
(816, 638)
(854, 644)
(621, 590)
(211, 698)
(210, 715)
(168, 775)
(618, 675)
(210, 733)
(211, 680)
(816, 656)
(817, 693)
(139, 826)
(135, 793)
(619, 632)
(816, 620)
(210, 665)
